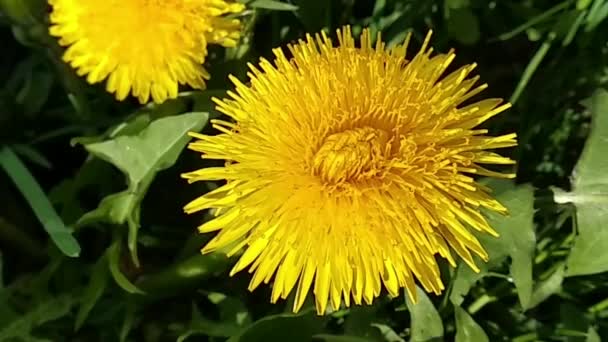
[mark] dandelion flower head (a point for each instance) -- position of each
(143, 47)
(349, 169)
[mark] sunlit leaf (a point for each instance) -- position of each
(426, 322)
(467, 330)
(517, 240)
(547, 287)
(140, 157)
(589, 254)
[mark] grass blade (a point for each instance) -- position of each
(39, 202)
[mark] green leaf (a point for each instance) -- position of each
(467, 330)
(284, 327)
(388, 334)
(130, 320)
(517, 241)
(463, 26)
(93, 291)
(40, 204)
(592, 336)
(272, 5)
(426, 322)
(113, 254)
(185, 274)
(589, 254)
(545, 288)
(203, 326)
(32, 155)
(140, 157)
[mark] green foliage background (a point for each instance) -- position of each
(94, 245)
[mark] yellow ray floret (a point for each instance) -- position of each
(349, 169)
(143, 47)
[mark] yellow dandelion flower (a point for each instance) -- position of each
(349, 169)
(143, 47)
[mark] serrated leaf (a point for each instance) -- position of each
(467, 330)
(589, 254)
(140, 157)
(93, 291)
(272, 5)
(517, 240)
(426, 322)
(284, 327)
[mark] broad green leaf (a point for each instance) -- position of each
(113, 255)
(284, 327)
(272, 5)
(94, 290)
(545, 288)
(517, 241)
(48, 310)
(589, 254)
(426, 322)
(388, 334)
(39, 202)
(467, 330)
(140, 157)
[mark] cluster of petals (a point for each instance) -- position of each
(146, 48)
(350, 168)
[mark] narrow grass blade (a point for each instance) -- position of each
(39, 202)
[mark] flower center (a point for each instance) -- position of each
(351, 155)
